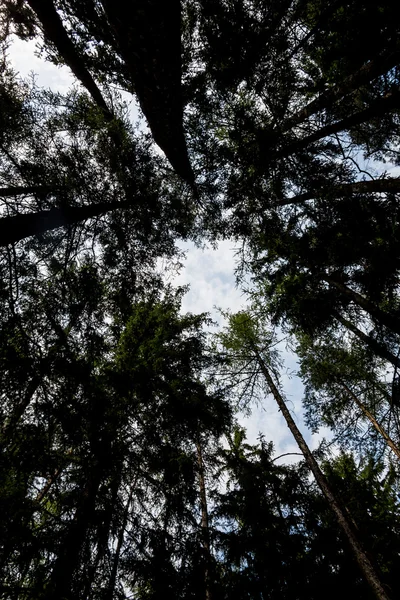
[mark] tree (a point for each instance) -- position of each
(345, 390)
(333, 267)
(113, 430)
(259, 526)
(113, 408)
(246, 345)
(275, 533)
(98, 188)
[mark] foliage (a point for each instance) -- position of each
(123, 471)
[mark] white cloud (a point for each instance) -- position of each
(210, 274)
(24, 59)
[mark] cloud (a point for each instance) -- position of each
(210, 275)
(25, 61)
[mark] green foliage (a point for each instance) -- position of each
(277, 536)
(116, 477)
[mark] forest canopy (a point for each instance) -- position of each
(126, 472)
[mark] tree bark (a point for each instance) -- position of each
(374, 186)
(345, 524)
(148, 34)
(375, 346)
(372, 419)
(390, 321)
(14, 229)
(54, 30)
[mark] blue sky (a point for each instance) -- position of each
(209, 273)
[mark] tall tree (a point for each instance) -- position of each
(123, 402)
(246, 344)
(276, 535)
(346, 391)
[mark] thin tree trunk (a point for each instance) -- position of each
(205, 530)
(378, 108)
(385, 318)
(50, 481)
(368, 72)
(14, 229)
(369, 341)
(372, 419)
(54, 31)
(345, 524)
(388, 185)
(102, 534)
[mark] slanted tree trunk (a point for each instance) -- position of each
(389, 185)
(376, 347)
(50, 482)
(148, 34)
(372, 420)
(366, 567)
(378, 108)
(55, 32)
(14, 229)
(368, 72)
(384, 318)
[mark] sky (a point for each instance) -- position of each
(210, 274)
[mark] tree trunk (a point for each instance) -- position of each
(205, 530)
(388, 185)
(49, 483)
(55, 32)
(14, 229)
(51, 480)
(378, 348)
(368, 72)
(345, 524)
(384, 318)
(372, 419)
(148, 34)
